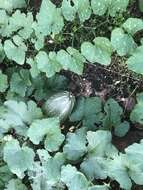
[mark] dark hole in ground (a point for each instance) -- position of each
(35, 4)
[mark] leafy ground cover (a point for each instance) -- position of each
(94, 50)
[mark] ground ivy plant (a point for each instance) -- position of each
(39, 152)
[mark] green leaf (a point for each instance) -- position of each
(136, 174)
(3, 82)
(141, 5)
(94, 168)
(122, 43)
(49, 128)
(19, 159)
(12, 4)
(136, 115)
(43, 155)
(27, 112)
(47, 64)
(113, 114)
(19, 22)
(53, 168)
(53, 24)
(118, 170)
(100, 52)
(68, 10)
(18, 115)
(54, 140)
(99, 187)
(15, 184)
(67, 173)
(79, 109)
(99, 143)
(46, 175)
(88, 110)
(5, 175)
(134, 62)
(77, 61)
(81, 7)
(15, 52)
(26, 21)
(34, 68)
(71, 60)
(44, 88)
(57, 83)
(73, 178)
(75, 146)
(133, 25)
(20, 82)
(122, 129)
(41, 88)
(3, 22)
(118, 6)
(99, 6)
(36, 176)
(38, 40)
(135, 151)
(4, 127)
(89, 51)
(134, 154)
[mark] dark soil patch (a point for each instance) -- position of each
(113, 81)
(133, 136)
(35, 4)
(134, 9)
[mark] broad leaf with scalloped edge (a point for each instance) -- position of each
(49, 128)
(19, 159)
(100, 52)
(75, 146)
(135, 62)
